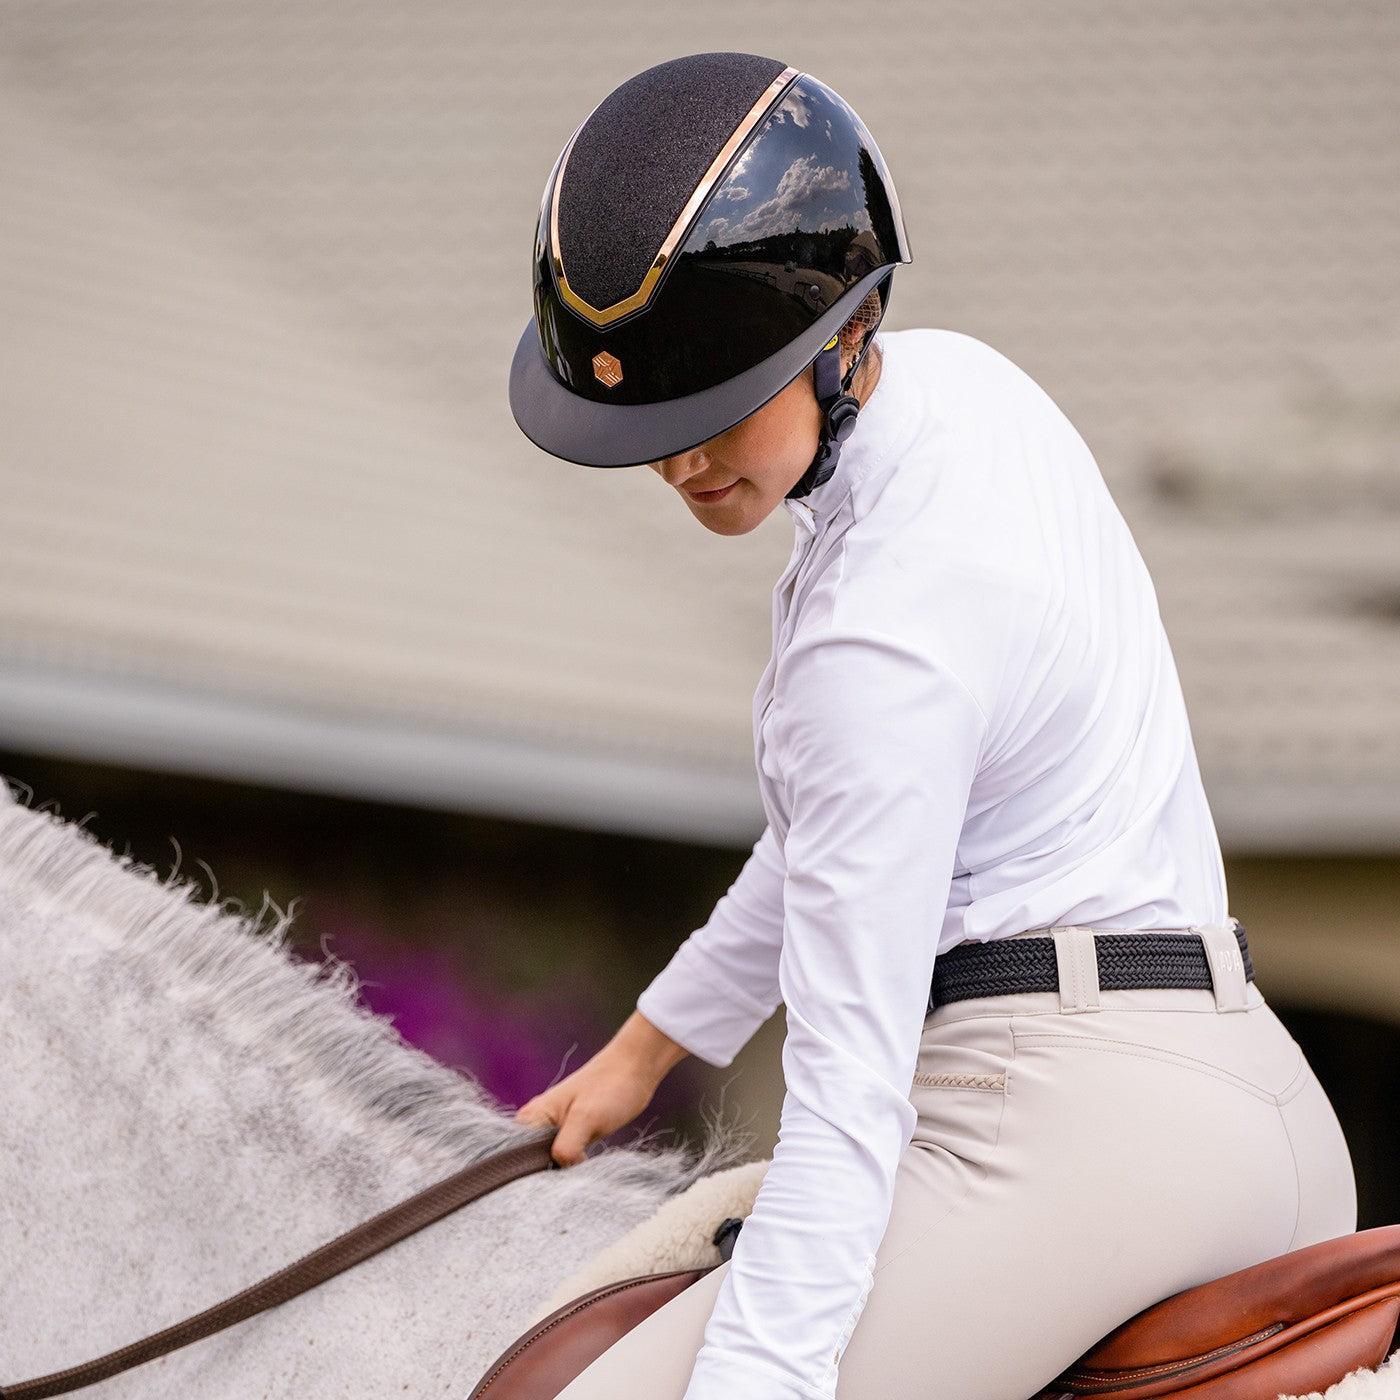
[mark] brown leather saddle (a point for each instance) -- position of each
(1288, 1326)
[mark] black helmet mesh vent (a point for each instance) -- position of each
(639, 158)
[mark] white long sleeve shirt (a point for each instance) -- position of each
(971, 726)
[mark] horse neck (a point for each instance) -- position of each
(188, 1108)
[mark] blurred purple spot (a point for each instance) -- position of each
(512, 1043)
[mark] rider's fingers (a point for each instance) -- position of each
(548, 1106)
(570, 1141)
(532, 1114)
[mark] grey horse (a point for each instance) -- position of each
(186, 1108)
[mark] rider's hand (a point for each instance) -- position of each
(605, 1092)
(598, 1097)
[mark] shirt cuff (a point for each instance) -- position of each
(693, 1003)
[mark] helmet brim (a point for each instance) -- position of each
(629, 435)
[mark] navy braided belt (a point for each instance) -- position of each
(1126, 960)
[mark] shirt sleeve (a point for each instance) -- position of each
(875, 746)
(722, 982)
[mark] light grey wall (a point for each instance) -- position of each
(262, 268)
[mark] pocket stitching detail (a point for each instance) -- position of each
(984, 1082)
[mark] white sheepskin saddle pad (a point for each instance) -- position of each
(681, 1236)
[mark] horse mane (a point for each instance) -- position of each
(235, 971)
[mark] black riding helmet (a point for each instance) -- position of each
(703, 238)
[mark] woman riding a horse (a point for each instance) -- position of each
(1031, 1085)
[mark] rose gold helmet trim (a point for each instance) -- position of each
(642, 295)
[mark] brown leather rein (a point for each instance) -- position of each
(342, 1253)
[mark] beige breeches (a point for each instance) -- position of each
(1069, 1167)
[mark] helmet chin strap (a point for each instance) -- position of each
(839, 410)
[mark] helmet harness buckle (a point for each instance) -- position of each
(839, 411)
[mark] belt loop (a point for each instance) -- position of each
(1078, 963)
(1226, 965)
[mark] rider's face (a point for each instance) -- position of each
(734, 481)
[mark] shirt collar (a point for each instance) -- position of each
(867, 455)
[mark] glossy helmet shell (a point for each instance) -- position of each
(709, 228)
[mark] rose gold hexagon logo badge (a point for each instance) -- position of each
(607, 369)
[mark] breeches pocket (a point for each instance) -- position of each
(959, 1091)
(1249, 1050)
